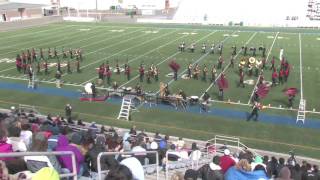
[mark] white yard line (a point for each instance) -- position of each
(31, 33)
(143, 55)
(225, 68)
(35, 39)
(171, 56)
(255, 86)
(301, 79)
(61, 37)
(198, 60)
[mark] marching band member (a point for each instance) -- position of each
(212, 48)
(46, 67)
(149, 74)
(261, 79)
(34, 54)
(213, 74)
(245, 49)
(24, 63)
(204, 73)
(38, 67)
(196, 72)
(49, 54)
(80, 54)
(64, 53)
(127, 72)
(290, 100)
(286, 73)
(192, 47)
(156, 73)
(141, 73)
(108, 74)
(29, 56)
(115, 85)
(263, 63)
(232, 61)
(189, 70)
(117, 68)
(94, 90)
(272, 63)
(71, 53)
(183, 46)
(220, 47)
(69, 67)
(55, 52)
(59, 65)
(234, 50)
(18, 63)
(30, 72)
(204, 46)
(220, 61)
(101, 71)
(41, 54)
(166, 90)
(255, 111)
(281, 76)
(205, 102)
(274, 78)
(241, 82)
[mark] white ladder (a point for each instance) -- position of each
(126, 107)
(31, 83)
(301, 111)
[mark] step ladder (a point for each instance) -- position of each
(127, 106)
(31, 83)
(301, 111)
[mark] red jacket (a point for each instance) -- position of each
(226, 162)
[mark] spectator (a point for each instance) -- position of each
(196, 153)
(66, 162)
(35, 163)
(80, 123)
(4, 174)
(157, 137)
(309, 173)
(280, 165)
(272, 167)
(243, 165)
(191, 174)
(226, 161)
(119, 173)
(180, 143)
(296, 173)
(242, 171)
(177, 176)
(98, 147)
(26, 134)
(4, 146)
(133, 130)
(47, 174)
(211, 171)
(14, 139)
(135, 167)
(284, 174)
(152, 157)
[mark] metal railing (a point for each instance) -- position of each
(60, 153)
(100, 171)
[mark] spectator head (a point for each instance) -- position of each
(3, 134)
(191, 174)
(226, 152)
(216, 160)
(166, 137)
(39, 142)
(100, 141)
(315, 168)
(154, 146)
(177, 176)
(173, 147)
(244, 165)
(274, 160)
(308, 166)
(14, 131)
(281, 161)
(260, 167)
(119, 173)
(194, 146)
(285, 173)
(4, 174)
(265, 159)
(76, 138)
(25, 127)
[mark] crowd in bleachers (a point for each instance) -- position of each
(27, 132)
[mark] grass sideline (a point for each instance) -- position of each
(278, 138)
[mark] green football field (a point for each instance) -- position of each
(157, 44)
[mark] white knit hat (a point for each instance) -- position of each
(226, 152)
